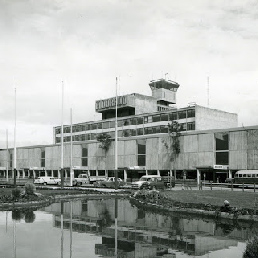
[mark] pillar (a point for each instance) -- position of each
(125, 175)
(230, 174)
(198, 177)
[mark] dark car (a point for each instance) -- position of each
(110, 182)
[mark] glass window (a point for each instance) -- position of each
(183, 126)
(141, 147)
(93, 126)
(67, 130)
(126, 133)
(222, 141)
(126, 122)
(58, 130)
(173, 116)
(86, 127)
(182, 114)
(84, 152)
(156, 129)
(139, 131)
(145, 120)
(163, 129)
(164, 117)
(99, 125)
(92, 136)
(156, 118)
(141, 144)
(190, 126)
(141, 160)
(133, 132)
(148, 130)
(134, 121)
(139, 120)
(93, 173)
(84, 156)
(120, 133)
(191, 113)
(105, 125)
(112, 124)
(222, 158)
(120, 123)
(101, 172)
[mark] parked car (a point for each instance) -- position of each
(46, 180)
(110, 182)
(81, 179)
(150, 182)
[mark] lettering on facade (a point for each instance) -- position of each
(220, 167)
(108, 103)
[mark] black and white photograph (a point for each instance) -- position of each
(129, 129)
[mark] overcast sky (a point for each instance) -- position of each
(87, 44)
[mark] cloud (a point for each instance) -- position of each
(87, 44)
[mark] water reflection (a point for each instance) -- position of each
(115, 228)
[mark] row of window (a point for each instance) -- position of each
(129, 132)
(130, 121)
(246, 175)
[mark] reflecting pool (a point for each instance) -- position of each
(117, 228)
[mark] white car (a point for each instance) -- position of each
(47, 180)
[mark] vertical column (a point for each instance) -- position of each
(158, 172)
(59, 173)
(125, 175)
(230, 174)
(45, 172)
(198, 177)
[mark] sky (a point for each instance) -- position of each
(209, 47)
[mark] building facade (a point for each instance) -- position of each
(209, 147)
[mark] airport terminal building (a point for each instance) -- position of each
(211, 144)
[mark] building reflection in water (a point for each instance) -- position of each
(127, 231)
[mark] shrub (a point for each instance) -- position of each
(30, 189)
(16, 193)
(251, 250)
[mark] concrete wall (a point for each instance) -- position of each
(145, 104)
(207, 118)
(197, 149)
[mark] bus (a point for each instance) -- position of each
(246, 177)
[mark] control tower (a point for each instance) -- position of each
(164, 91)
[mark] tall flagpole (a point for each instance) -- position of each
(62, 139)
(14, 148)
(116, 141)
(71, 145)
(7, 157)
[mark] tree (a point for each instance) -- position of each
(174, 129)
(105, 141)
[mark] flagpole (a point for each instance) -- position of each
(116, 141)
(71, 145)
(14, 148)
(62, 139)
(7, 157)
